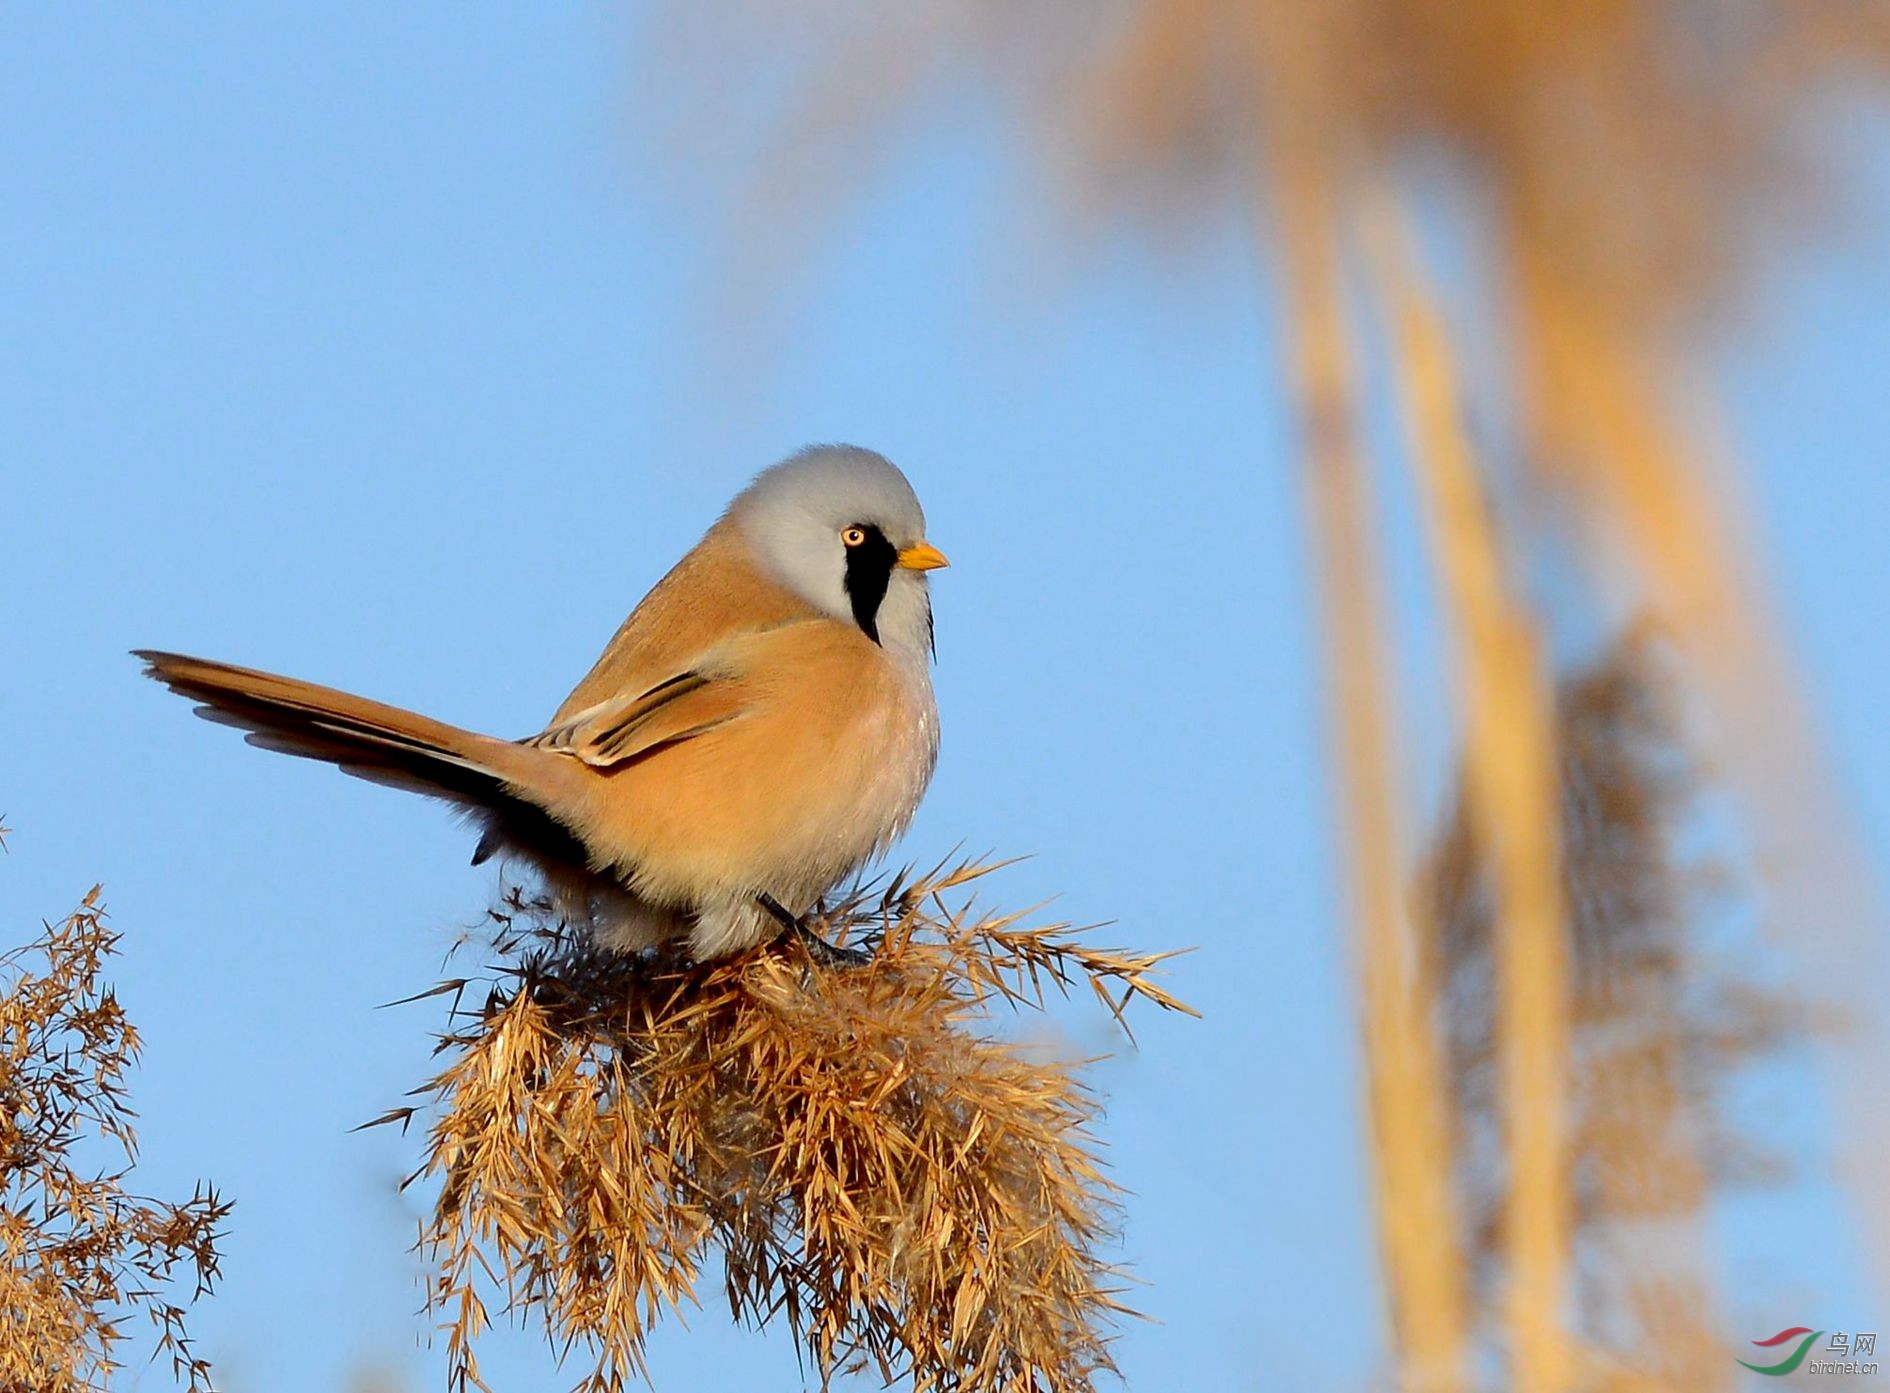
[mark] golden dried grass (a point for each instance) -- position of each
(907, 1189)
(80, 1254)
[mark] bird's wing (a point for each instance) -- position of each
(713, 595)
(679, 708)
(717, 687)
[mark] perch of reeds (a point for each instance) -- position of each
(905, 1188)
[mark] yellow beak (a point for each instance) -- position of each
(923, 557)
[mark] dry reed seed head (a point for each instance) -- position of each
(80, 1256)
(876, 1165)
(1660, 1024)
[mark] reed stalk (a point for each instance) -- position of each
(1404, 1084)
(1513, 800)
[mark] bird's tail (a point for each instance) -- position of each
(504, 784)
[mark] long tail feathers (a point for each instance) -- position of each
(363, 737)
(490, 778)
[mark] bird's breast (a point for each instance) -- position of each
(904, 738)
(824, 768)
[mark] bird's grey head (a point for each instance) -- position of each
(841, 528)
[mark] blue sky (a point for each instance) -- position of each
(366, 345)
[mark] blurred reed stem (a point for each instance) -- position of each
(1405, 1082)
(1513, 801)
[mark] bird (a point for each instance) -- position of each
(761, 726)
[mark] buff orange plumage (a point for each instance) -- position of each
(760, 726)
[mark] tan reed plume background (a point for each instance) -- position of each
(1622, 172)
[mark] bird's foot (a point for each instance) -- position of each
(823, 953)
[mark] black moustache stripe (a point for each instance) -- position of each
(869, 572)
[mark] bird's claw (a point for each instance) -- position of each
(824, 954)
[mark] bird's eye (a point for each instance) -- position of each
(853, 536)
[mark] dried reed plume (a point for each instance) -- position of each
(79, 1254)
(907, 1190)
(1660, 1027)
